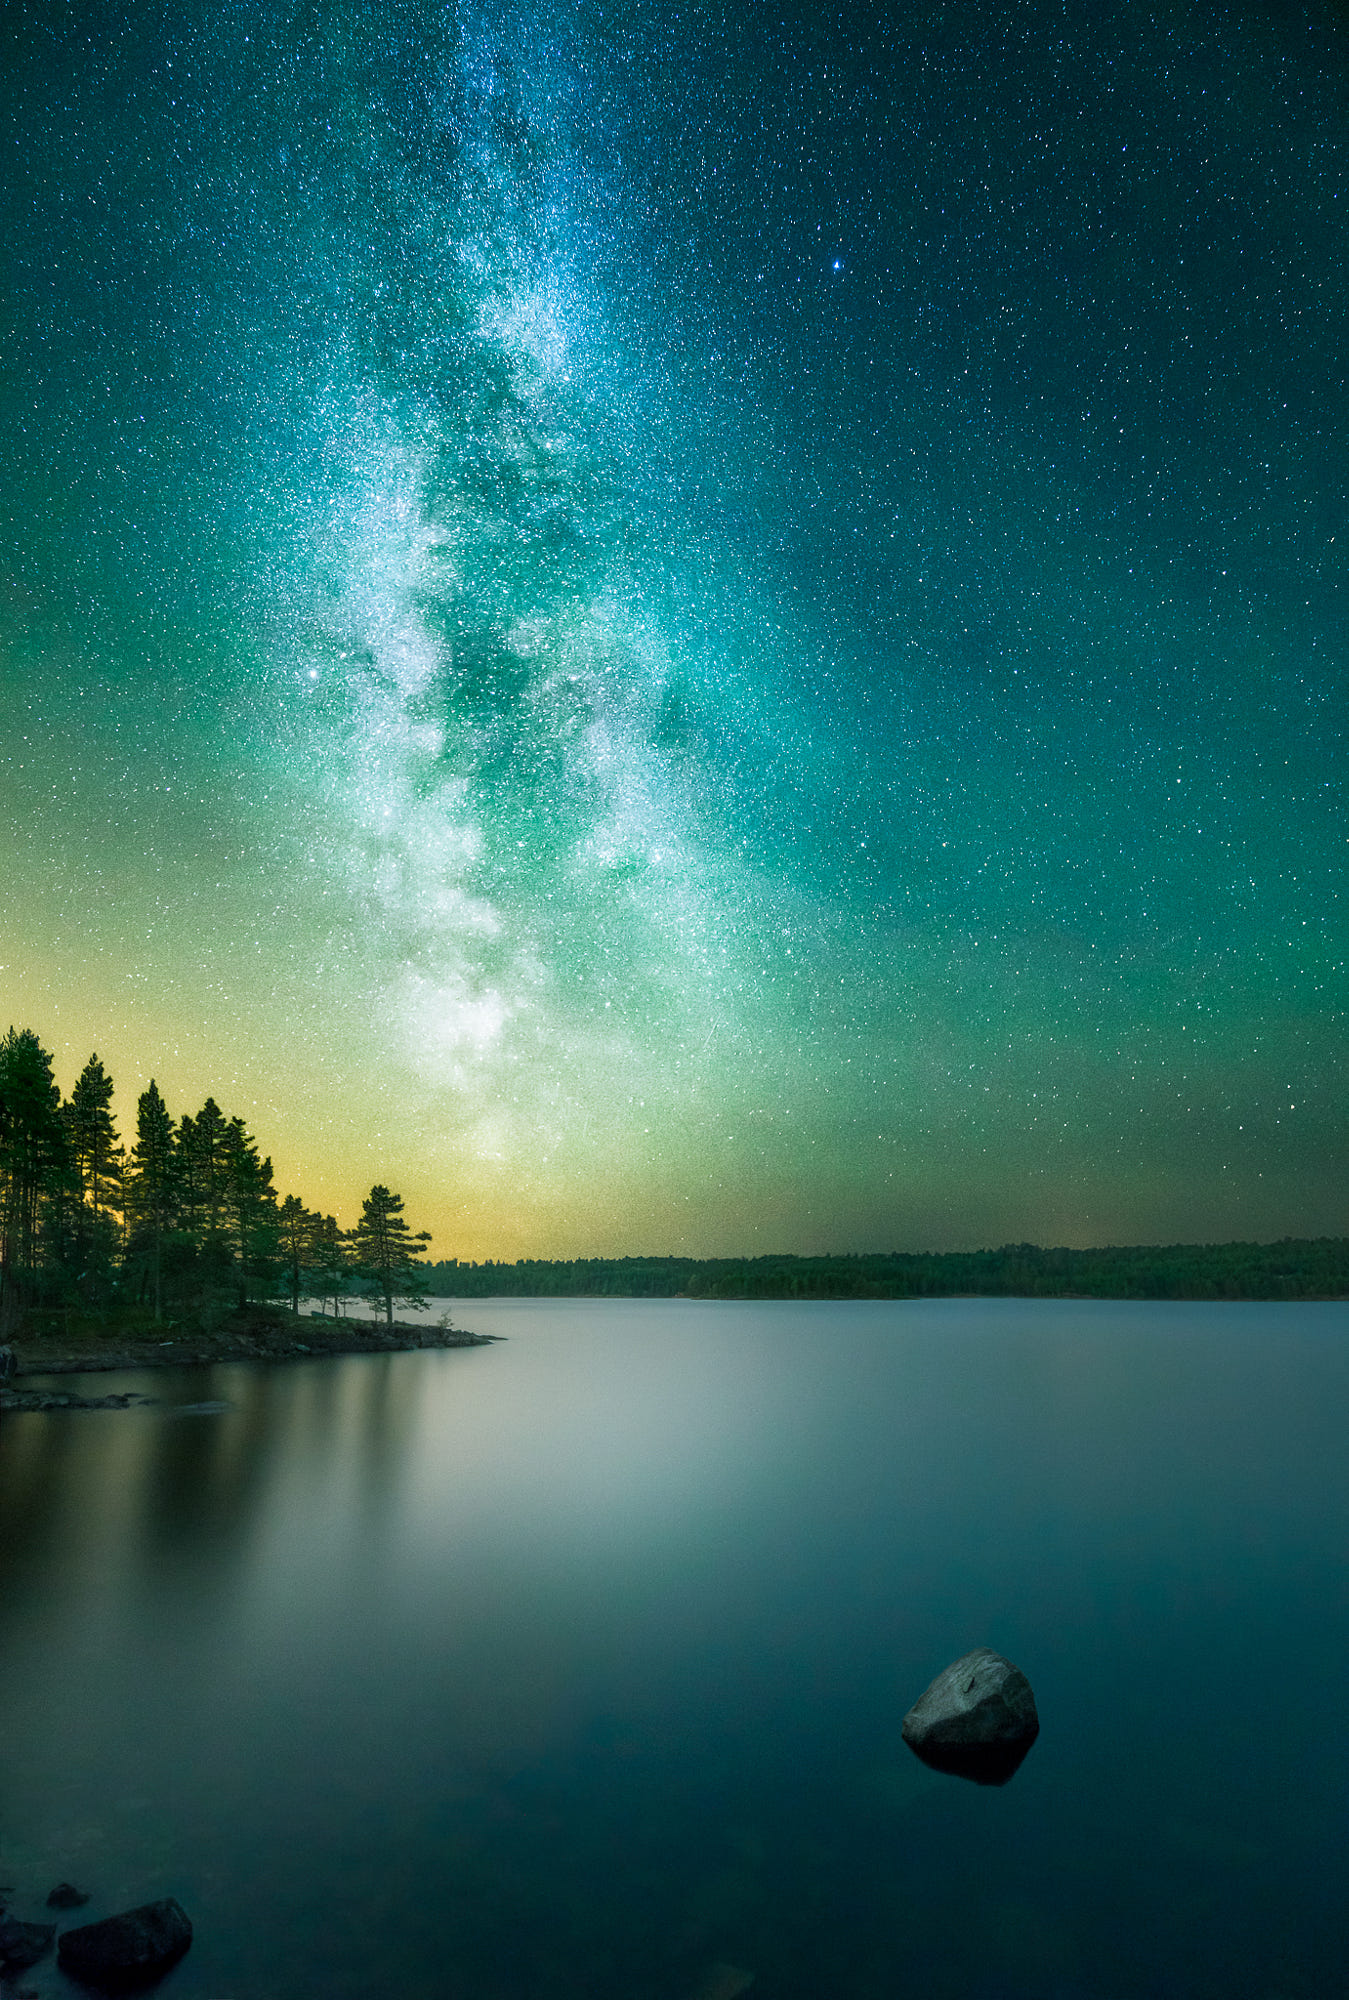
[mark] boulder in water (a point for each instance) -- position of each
(977, 1720)
(129, 1950)
(65, 1896)
(22, 1945)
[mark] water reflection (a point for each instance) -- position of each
(166, 1485)
(576, 1666)
(981, 1763)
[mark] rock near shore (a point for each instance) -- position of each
(22, 1945)
(59, 1399)
(127, 1951)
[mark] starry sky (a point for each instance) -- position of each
(701, 627)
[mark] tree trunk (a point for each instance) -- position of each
(10, 1310)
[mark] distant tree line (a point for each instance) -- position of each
(186, 1220)
(1295, 1268)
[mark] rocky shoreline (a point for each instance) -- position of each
(244, 1336)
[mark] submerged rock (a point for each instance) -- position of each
(977, 1719)
(22, 1945)
(128, 1950)
(65, 1896)
(723, 1982)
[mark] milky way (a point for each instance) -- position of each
(712, 629)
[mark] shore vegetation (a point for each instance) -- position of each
(184, 1227)
(1295, 1268)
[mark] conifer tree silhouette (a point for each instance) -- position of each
(94, 1145)
(386, 1252)
(150, 1188)
(34, 1155)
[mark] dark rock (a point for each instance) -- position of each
(977, 1719)
(129, 1950)
(65, 1896)
(22, 1945)
(31, 1400)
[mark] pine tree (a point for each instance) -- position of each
(86, 1220)
(33, 1157)
(295, 1228)
(330, 1262)
(94, 1145)
(150, 1187)
(250, 1212)
(385, 1252)
(201, 1172)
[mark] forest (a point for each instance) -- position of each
(1292, 1269)
(184, 1222)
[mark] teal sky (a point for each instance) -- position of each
(710, 629)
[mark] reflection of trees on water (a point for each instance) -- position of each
(154, 1501)
(40, 1462)
(214, 1485)
(160, 1571)
(203, 1493)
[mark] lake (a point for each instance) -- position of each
(575, 1666)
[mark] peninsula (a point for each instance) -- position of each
(50, 1345)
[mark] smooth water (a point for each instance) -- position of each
(575, 1665)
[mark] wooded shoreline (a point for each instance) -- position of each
(1294, 1268)
(252, 1334)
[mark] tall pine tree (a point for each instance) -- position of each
(89, 1218)
(94, 1145)
(34, 1156)
(252, 1229)
(331, 1263)
(386, 1252)
(296, 1232)
(150, 1189)
(202, 1157)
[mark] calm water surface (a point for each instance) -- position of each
(575, 1665)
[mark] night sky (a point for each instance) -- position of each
(711, 628)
